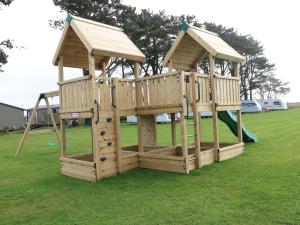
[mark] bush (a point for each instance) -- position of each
(5, 130)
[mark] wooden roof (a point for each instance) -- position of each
(82, 36)
(192, 45)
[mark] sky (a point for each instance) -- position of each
(30, 70)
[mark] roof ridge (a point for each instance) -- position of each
(204, 30)
(12, 106)
(70, 17)
(185, 26)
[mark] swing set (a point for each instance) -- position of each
(43, 96)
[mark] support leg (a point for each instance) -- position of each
(239, 126)
(28, 126)
(173, 129)
(216, 134)
(117, 124)
(53, 120)
(196, 122)
(63, 137)
(184, 142)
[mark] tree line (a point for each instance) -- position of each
(155, 32)
(4, 44)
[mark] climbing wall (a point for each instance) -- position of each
(107, 145)
(106, 138)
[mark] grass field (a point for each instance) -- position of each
(262, 186)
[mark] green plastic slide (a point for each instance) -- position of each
(231, 121)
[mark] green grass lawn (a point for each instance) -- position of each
(262, 186)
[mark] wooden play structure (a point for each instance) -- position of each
(90, 45)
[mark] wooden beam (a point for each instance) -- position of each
(238, 113)
(214, 104)
(196, 121)
(117, 123)
(133, 57)
(53, 121)
(137, 96)
(173, 129)
(51, 94)
(28, 126)
(170, 65)
(104, 70)
(62, 121)
(96, 155)
(183, 124)
(60, 44)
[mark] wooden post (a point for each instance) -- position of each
(104, 71)
(62, 121)
(238, 112)
(28, 126)
(196, 121)
(137, 96)
(183, 124)
(173, 129)
(170, 66)
(117, 123)
(94, 120)
(214, 105)
(53, 120)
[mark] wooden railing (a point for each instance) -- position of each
(125, 90)
(203, 95)
(159, 90)
(202, 91)
(228, 90)
(76, 95)
(104, 92)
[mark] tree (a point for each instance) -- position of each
(272, 88)
(154, 33)
(256, 68)
(5, 2)
(6, 44)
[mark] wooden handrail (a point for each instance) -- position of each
(227, 78)
(157, 76)
(75, 80)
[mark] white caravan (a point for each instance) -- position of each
(250, 106)
(273, 104)
(160, 118)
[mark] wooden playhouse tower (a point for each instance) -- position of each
(90, 45)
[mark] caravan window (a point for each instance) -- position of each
(265, 103)
(250, 104)
(242, 104)
(277, 103)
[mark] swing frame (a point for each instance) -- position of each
(44, 96)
